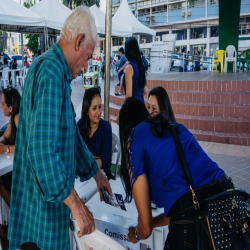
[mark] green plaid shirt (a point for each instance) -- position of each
(49, 152)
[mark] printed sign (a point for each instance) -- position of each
(119, 234)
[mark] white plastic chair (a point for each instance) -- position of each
(22, 75)
(116, 148)
(5, 78)
(230, 56)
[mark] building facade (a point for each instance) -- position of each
(196, 23)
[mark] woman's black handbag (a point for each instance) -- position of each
(222, 220)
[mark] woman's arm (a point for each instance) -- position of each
(142, 200)
(6, 136)
(160, 220)
(99, 161)
(129, 73)
(4, 148)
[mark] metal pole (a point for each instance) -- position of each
(22, 44)
(107, 58)
(47, 38)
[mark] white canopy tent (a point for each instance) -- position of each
(16, 18)
(125, 16)
(54, 14)
(117, 30)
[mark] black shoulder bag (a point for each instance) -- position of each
(222, 220)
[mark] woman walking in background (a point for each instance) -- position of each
(135, 79)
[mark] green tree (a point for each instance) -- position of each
(29, 3)
(33, 39)
(32, 43)
(73, 4)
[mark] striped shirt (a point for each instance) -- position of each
(49, 152)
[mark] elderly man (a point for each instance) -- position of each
(49, 149)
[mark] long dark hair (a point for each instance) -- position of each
(84, 123)
(13, 99)
(132, 51)
(132, 113)
(163, 101)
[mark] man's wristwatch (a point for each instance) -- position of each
(136, 235)
(8, 149)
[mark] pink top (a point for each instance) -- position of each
(26, 63)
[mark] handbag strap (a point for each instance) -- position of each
(183, 161)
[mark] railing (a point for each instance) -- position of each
(159, 2)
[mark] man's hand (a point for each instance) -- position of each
(81, 213)
(102, 183)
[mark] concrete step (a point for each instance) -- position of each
(209, 97)
(205, 123)
(214, 136)
(229, 86)
(229, 138)
(200, 109)
(211, 110)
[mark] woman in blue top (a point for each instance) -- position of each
(95, 131)
(151, 171)
(135, 79)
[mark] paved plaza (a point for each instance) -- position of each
(233, 159)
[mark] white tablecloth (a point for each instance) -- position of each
(6, 163)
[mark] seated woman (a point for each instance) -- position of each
(151, 170)
(10, 105)
(158, 101)
(95, 131)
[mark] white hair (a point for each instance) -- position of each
(80, 21)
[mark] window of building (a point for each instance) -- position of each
(214, 31)
(212, 1)
(247, 19)
(196, 3)
(117, 41)
(181, 34)
(160, 34)
(175, 6)
(213, 48)
(196, 33)
(200, 47)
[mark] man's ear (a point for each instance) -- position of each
(79, 41)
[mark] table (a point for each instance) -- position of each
(6, 163)
(113, 221)
(13, 76)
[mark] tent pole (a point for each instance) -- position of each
(47, 38)
(107, 58)
(22, 45)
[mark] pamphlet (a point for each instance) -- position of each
(116, 200)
